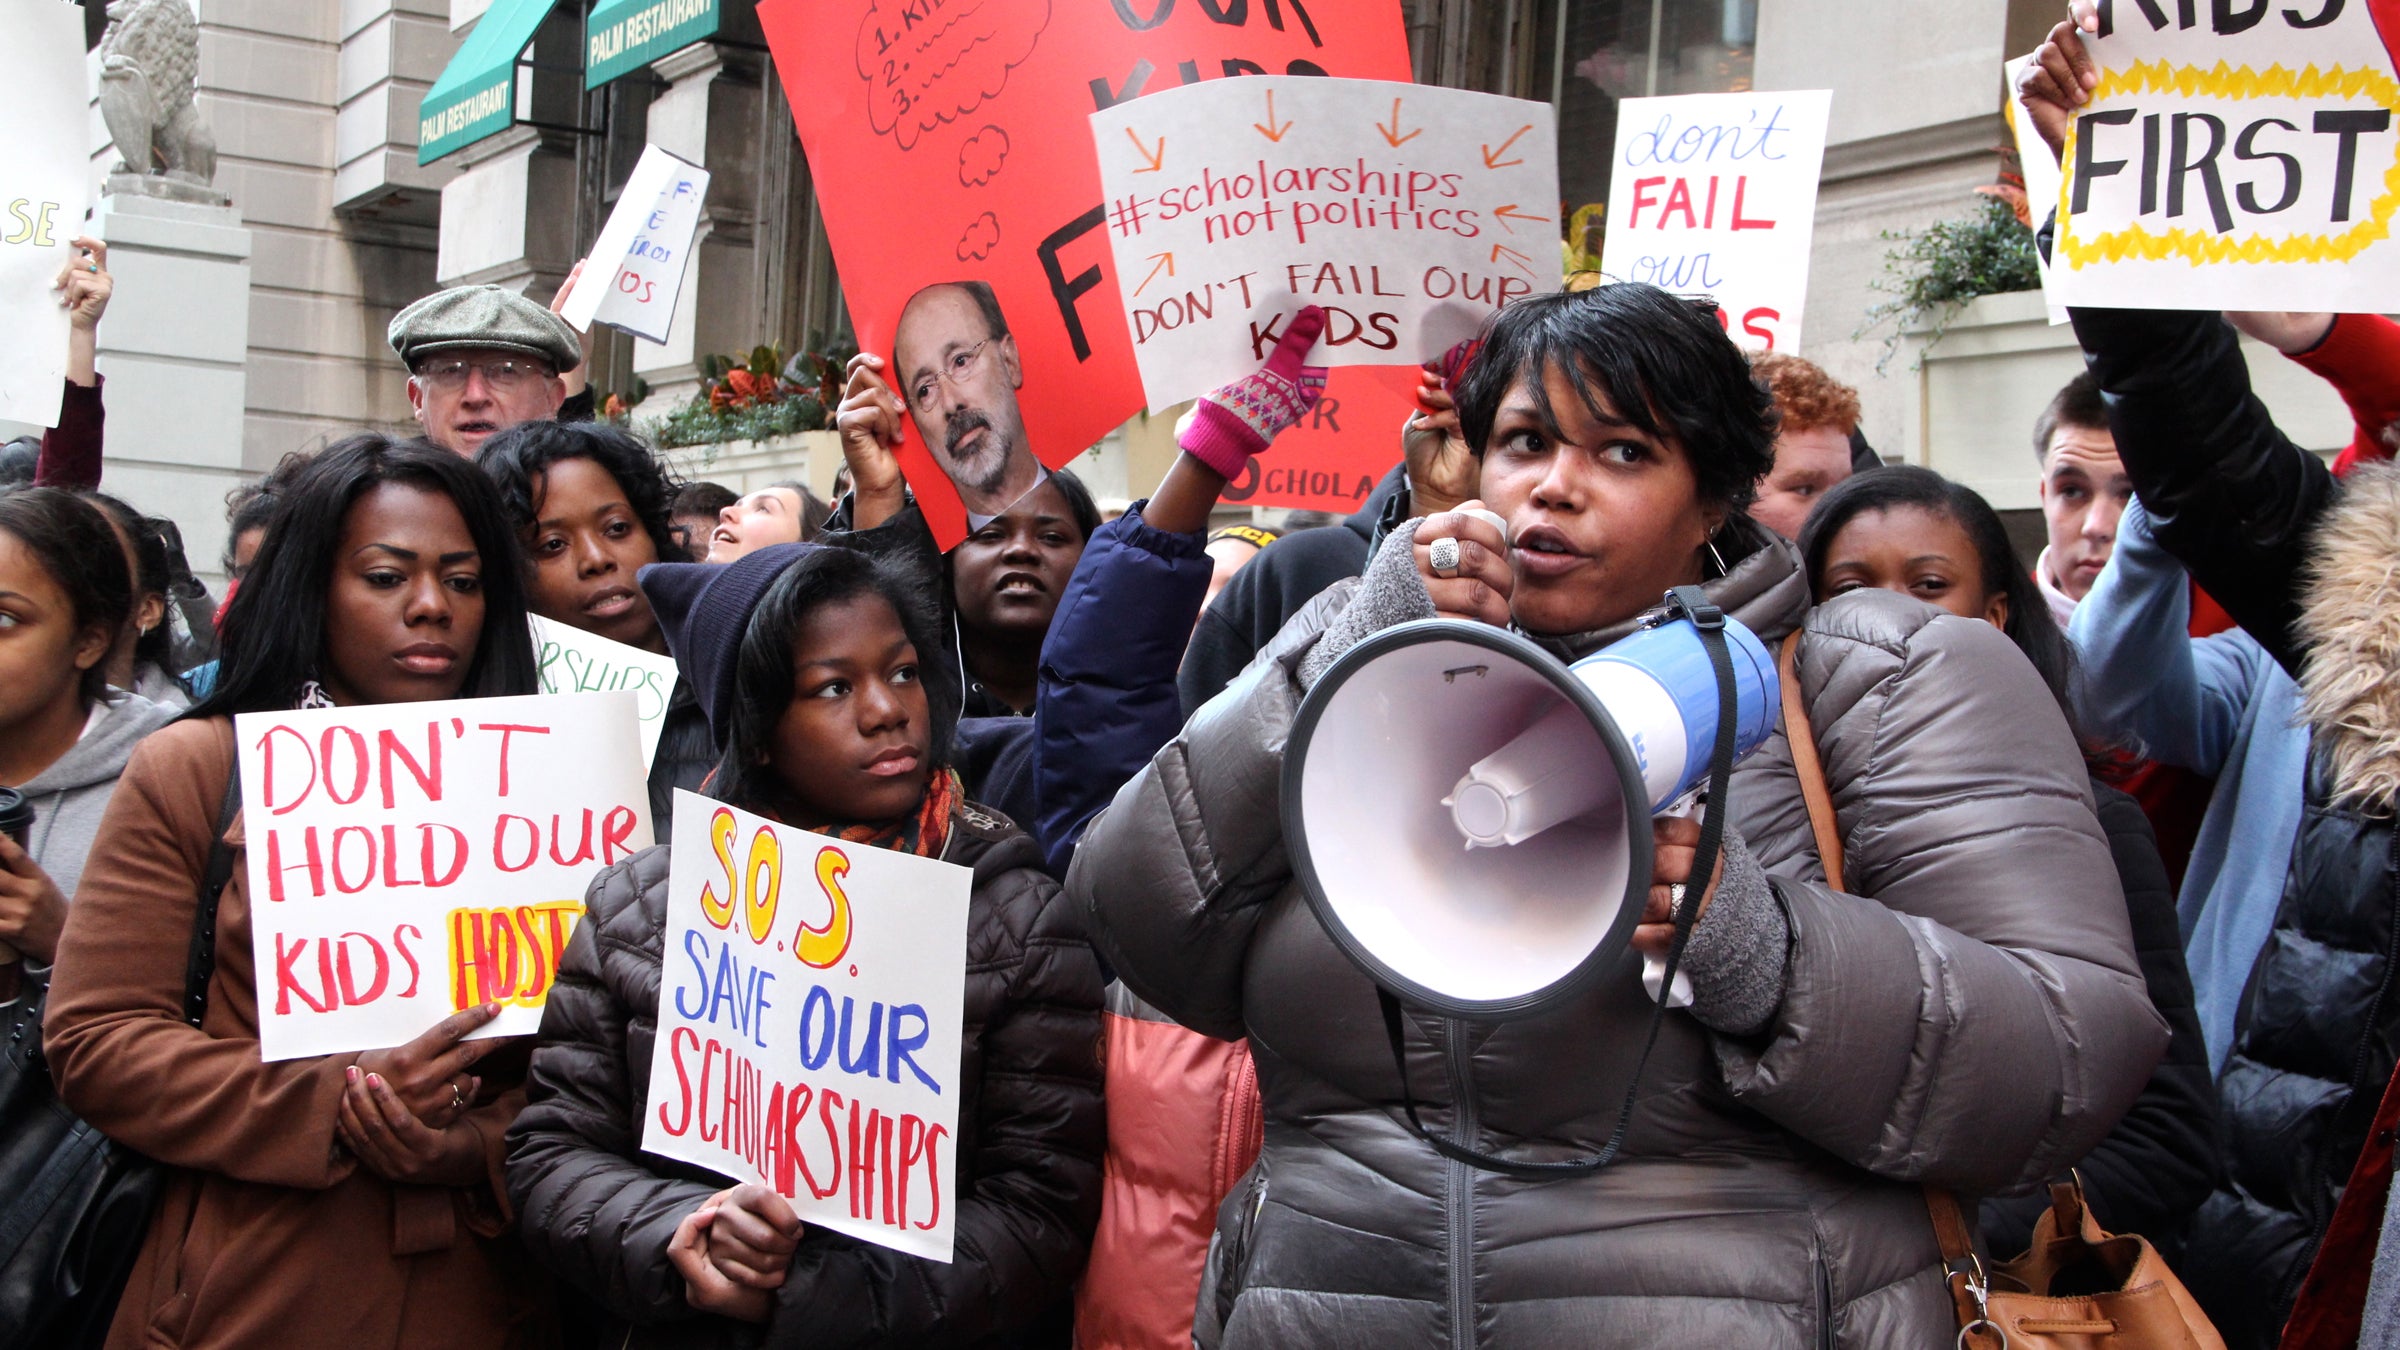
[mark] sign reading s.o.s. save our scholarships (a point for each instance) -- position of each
(1409, 213)
(571, 661)
(809, 1015)
(408, 860)
(2235, 157)
(44, 173)
(1716, 195)
(636, 268)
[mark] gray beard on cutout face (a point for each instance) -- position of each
(987, 469)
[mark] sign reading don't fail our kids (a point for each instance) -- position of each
(407, 860)
(809, 1013)
(1409, 213)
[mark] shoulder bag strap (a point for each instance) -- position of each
(201, 964)
(1811, 769)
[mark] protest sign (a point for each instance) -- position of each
(1716, 195)
(44, 187)
(2039, 168)
(636, 268)
(408, 860)
(572, 661)
(2241, 158)
(954, 148)
(1333, 458)
(809, 1013)
(1409, 213)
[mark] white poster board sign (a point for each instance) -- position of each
(1409, 213)
(45, 174)
(571, 661)
(637, 266)
(809, 1017)
(1715, 195)
(2039, 168)
(408, 860)
(2257, 169)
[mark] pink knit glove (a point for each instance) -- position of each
(1233, 422)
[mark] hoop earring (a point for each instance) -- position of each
(1717, 558)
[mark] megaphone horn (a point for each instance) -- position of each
(1470, 817)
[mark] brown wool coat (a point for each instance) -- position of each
(269, 1232)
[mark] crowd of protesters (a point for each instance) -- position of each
(2108, 891)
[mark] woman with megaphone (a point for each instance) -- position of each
(1588, 1167)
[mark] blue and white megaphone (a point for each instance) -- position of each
(1470, 816)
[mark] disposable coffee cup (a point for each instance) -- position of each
(16, 821)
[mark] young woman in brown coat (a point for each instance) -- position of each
(351, 1200)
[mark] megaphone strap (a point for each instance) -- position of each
(1690, 602)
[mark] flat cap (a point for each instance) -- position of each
(466, 317)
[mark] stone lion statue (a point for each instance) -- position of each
(149, 74)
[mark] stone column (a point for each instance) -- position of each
(173, 349)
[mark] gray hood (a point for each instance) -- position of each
(69, 796)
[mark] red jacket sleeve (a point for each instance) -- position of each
(2360, 358)
(70, 456)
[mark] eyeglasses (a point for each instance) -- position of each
(959, 367)
(507, 373)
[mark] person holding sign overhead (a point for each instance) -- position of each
(593, 507)
(351, 1199)
(807, 661)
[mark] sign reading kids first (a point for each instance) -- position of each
(950, 152)
(408, 860)
(2234, 156)
(1715, 195)
(1409, 213)
(809, 1014)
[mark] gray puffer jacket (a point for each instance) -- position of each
(1979, 1023)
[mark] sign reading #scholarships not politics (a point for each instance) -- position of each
(2235, 157)
(809, 1022)
(1715, 195)
(408, 860)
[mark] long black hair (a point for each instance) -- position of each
(152, 574)
(1664, 363)
(519, 461)
(273, 639)
(765, 665)
(74, 543)
(1901, 487)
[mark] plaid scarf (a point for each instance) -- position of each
(923, 834)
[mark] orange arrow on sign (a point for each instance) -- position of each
(1156, 157)
(1268, 128)
(1520, 259)
(1510, 212)
(1391, 134)
(1166, 261)
(1491, 158)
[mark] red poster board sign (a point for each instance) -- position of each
(948, 142)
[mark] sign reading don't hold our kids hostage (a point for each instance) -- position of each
(1409, 213)
(408, 860)
(2234, 156)
(809, 1019)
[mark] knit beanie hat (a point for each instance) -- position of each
(703, 610)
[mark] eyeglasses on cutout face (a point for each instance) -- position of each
(956, 369)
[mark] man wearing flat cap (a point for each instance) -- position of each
(482, 359)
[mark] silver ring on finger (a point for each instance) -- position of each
(458, 1099)
(1675, 893)
(1445, 557)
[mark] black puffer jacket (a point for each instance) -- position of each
(2254, 517)
(598, 1211)
(2161, 1161)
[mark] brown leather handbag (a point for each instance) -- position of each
(2079, 1287)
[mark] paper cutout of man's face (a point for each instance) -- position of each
(958, 372)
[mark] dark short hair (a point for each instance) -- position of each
(519, 461)
(273, 637)
(1664, 363)
(252, 506)
(1080, 505)
(702, 499)
(765, 664)
(75, 544)
(1903, 486)
(2078, 405)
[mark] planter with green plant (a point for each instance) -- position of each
(755, 399)
(1939, 269)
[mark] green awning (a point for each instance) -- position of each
(477, 93)
(625, 35)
